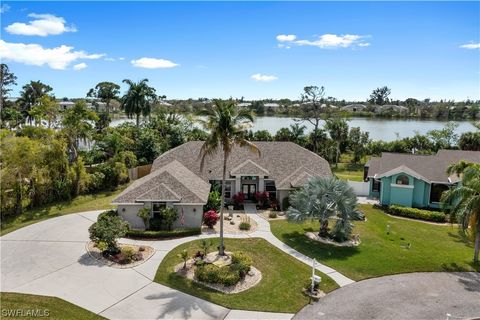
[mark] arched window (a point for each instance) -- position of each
(402, 179)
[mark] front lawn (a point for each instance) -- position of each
(280, 289)
(81, 203)
(410, 246)
(17, 305)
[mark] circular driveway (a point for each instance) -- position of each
(404, 296)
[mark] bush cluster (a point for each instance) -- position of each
(415, 213)
(210, 218)
(226, 275)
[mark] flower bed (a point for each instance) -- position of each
(231, 273)
(128, 256)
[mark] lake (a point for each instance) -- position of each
(379, 129)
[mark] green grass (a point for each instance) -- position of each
(280, 289)
(56, 308)
(346, 170)
(433, 247)
(81, 203)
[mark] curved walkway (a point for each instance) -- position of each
(49, 258)
(430, 295)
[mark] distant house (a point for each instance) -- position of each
(354, 107)
(64, 105)
(244, 104)
(271, 106)
(391, 107)
(177, 181)
(413, 180)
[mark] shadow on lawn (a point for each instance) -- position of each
(300, 242)
(461, 236)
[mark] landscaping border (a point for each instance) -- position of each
(163, 234)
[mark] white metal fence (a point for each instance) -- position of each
(360, 188)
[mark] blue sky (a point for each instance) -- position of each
(251, 49)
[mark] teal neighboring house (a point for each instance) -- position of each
(413, 180)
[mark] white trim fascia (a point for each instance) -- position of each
(406, 186)
(126, 203)
(157, 200)
(404, 169)
(442, 182)
(188, 204)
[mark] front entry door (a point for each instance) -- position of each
(249, 191)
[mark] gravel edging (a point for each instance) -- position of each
(96, 254)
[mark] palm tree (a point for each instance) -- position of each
(138, 99)
(226, 126)
(338, 130)
(324, 198)
(463, 201)
(298, 132)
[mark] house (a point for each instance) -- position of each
(271, 106)
(354, 107)
(64, 105)
(392, 108)
(176, 179)
(244, 105)
(414, 180)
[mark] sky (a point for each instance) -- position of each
(254, 50)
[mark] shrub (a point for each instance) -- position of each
(262, 199)
(210, 218)
(241, 263)
(238, 199)
(272, 215)
(285, 203)
(108, 229)
(108, 213)
(415, 213)
(144, 214)
(214, 201)
(205, 246)
(185, 232)
(127, 254)
(227, 276)
(155, 224)
(168, 216)
(207, 273)
(274, 204)
(245, 224)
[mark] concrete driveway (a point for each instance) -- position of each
(405, 296)
(49, 258)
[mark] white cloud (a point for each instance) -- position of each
(324, 41)
(121, 58)
(286, 37)
(263, 77)
(34, 54)
(80, 66)
(42, 25)
(153, 63)
(470, 46)
(4, 8)
(109, 59)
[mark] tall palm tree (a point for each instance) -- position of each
(464, 200)
(325, 198)
(298, 132)
(139, 99)
(338, 130)
(226, 126)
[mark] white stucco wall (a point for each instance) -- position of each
(129, 214)
(192, 215)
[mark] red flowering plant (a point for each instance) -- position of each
(238, 199)
(262, 199)
(210, 218)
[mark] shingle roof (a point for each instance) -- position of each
(248, 167)
(280, 159)
(173, 181)
(432, 167)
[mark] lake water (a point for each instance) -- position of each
(379, 129)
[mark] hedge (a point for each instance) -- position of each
(162, 234)
(415, 213)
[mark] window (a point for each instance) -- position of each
(271, 189)
(228, 189)
(402, 179)
(249, 177)
(376, 185)
(436, 192)
(157, 207)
